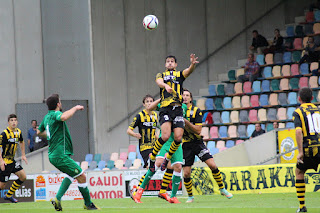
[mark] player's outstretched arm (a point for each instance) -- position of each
(153, 105)
(68, 114)
(161, 84)
(133, 134)
(196, 129)
(190, 69)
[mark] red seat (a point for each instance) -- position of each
(253, 115)
(247, 87)
(295, 69)
(297, 43)
(214, 132)
(310, 16)
(303, 82)
(254, 100)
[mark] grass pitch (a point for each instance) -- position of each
(251, 203)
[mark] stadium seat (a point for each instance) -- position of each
(272, 114)
(214, 151)
(88, 158)
(128, 163)
(263, 100)
(225, 117)
(256, 86)
(260, 59)
(114, 156)
(315, 96)
(275, 85)
(265, 86)
(303, 82)
(227, 102)
(254, 100)
(209, 104)
(93, 165)
(123, 156)
(305, 41)
(239, 142)
(222, 149)
(236, 102)
(132, 156)
(220, 89)
(316, 28)
(294, 83)
(290, 111)
(232, 75)
(247, 87)
(238, 88)
(267, 72)
(273, 99)
(269, 127)
(245, 101)
(285, 70)
(278, 58)
(218, 103)
(314, 66)
(102, 164)
(244, 116)
(214, 132)
(211, 145)
(205, 132)
(262, 115)
(232, 131)
(316, 15)
(229, 89)
(310, 16)
(212, 90)
(297, 43)
(295, 69)
(250, 129)
(223, 132)
(282, 125)
(276, 71)
(282, 113)
(110, 164)
(313, 82)
(84, 165)
(207, 118)
(308, 29)
(131, 148)
(220, 144)
(229, 143)
(287, 57)
(239, 72)
(196, 158)
(317, 39)
(290, 125)
(304, 68)
(234, 116)
(282, 99)
(269, 58)
(97, 157)
(201, 103)
(137, 163)
(296, 56)
(106, 156)
(118, 164)
(242, 131)
(290, 30)
(253, 115)
(216, 117)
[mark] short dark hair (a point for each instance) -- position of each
(34, 120)
(305, 95)
(277, 30)
(186, 90)
(255, 31)
(172, 56)
(12, 116)
(145, 97)
(52, 101)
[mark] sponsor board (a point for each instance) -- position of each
(275, 178)
(286, 142)
(106, 185)
(132, 177)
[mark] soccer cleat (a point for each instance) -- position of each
(91, 207)
(224, 192)
(56, 204)
(164, 196)
(190, 199)
(174, 200)
(164, 164)
(137, 196)
(152, 165)
(12, 199)
(303, 209)
(133, 191)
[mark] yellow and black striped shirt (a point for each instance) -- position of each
(175, 80)
(147, 125)
(307, 118)
(194, 115)
(9, 141)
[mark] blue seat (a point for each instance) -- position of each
(290, 30)
(209, 104)
(256, 86)
(264, 100)
(132, 156)
(225, 117)
(97, 157)
(278, 58)
(227, 102)
(244, 116)
(106, 157)
(223, 132)
(304, 68)
(267, 72)
(229, 89)
(292, 98)
(260, 59)
(287, 57)
(196, 159)
(229, 143)
(272, 114)
(212, 90)
(128, 163)
(211, 145)
(265, 86)
(242, 131)
(110, 164)
(290, 111)
(316, 15)
(204, 117)
(101, 164)
(290, 125)
(263, 126)
(250, 129)
(214, 151)
(216, 117)
(89, 158)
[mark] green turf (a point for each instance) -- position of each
(214, 203)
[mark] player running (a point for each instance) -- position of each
(307, 123)
(193, 145)
(60, 148)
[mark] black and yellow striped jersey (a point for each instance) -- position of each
(194, 115)
(9, 141)
(307, 118)
(175, 80)
(147, 125)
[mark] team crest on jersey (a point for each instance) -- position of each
(191, 112)
(76, 170)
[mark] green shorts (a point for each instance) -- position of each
(66, 165)
(177, 157)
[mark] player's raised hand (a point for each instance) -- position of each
(169, 89)
(79, 107)
(193, 59)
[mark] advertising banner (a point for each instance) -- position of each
(106, 185)
(286, 142)
(132, 177)
(273, 178)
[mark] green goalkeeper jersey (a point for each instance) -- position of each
(58, 135)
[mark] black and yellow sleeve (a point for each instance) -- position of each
(135, 122)
(296, 120)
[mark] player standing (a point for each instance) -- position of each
(60, 149)
(171, 113)
(9, 140)
(193, 145)
(307, 123)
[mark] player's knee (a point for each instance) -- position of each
(82, 178)
(165, 137)
(186, 174)
(178, 168)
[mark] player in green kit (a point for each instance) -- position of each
(176, 164)
(60, 149)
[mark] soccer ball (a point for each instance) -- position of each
(150, 22)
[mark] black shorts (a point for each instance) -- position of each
(309, 163)
(9, 168)
(172, 114)
(145, 156)
(191, 149)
